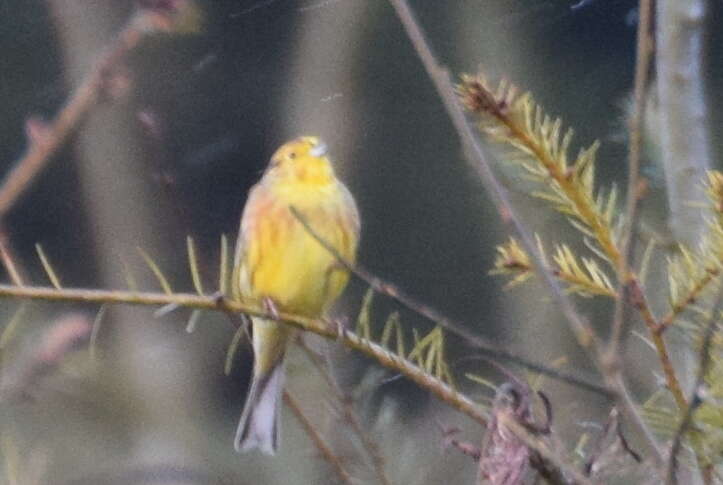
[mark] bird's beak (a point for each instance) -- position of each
(318, 150)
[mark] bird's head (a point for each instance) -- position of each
(302, 160)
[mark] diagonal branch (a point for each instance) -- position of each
(371, 448)
(586, 336)
(326, 452)
(85, 96)
(47, 139)
(452, 326)
(627, 238)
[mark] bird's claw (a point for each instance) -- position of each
(271, 309)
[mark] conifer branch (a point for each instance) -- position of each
(518, 121)
(640, 302)
(324, 328)
(682, 303)
(582, 276)
(321, 327)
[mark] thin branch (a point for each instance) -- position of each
(85, 96)
(350, 416)
(480, 99)
(223, 265)
(642, 67)
(440, 77)
(638, 299)
(324, 328)
(43, 145)
(615, 381)
(324, 449)
(488, 348)
(691, 297)
(611, 428)
(586, 336)
(695, 399)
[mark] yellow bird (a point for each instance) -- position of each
(281, 266)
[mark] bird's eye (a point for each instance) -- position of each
(292, 155)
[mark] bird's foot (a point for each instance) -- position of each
(271, 308)
(338, 326)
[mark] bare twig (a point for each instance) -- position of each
(440, 77)
(464, 447)
(695, 399)
(586, 336)
(350, 416)
(85, 96)
(326, 452)
(642, 67)
(611, 431)
(488, 348)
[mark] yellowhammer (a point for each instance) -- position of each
(280, 265)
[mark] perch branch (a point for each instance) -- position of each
(319, 327)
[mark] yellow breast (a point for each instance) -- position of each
(285, 263)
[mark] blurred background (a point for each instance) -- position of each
(175, 155)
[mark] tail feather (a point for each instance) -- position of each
(259, 424)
